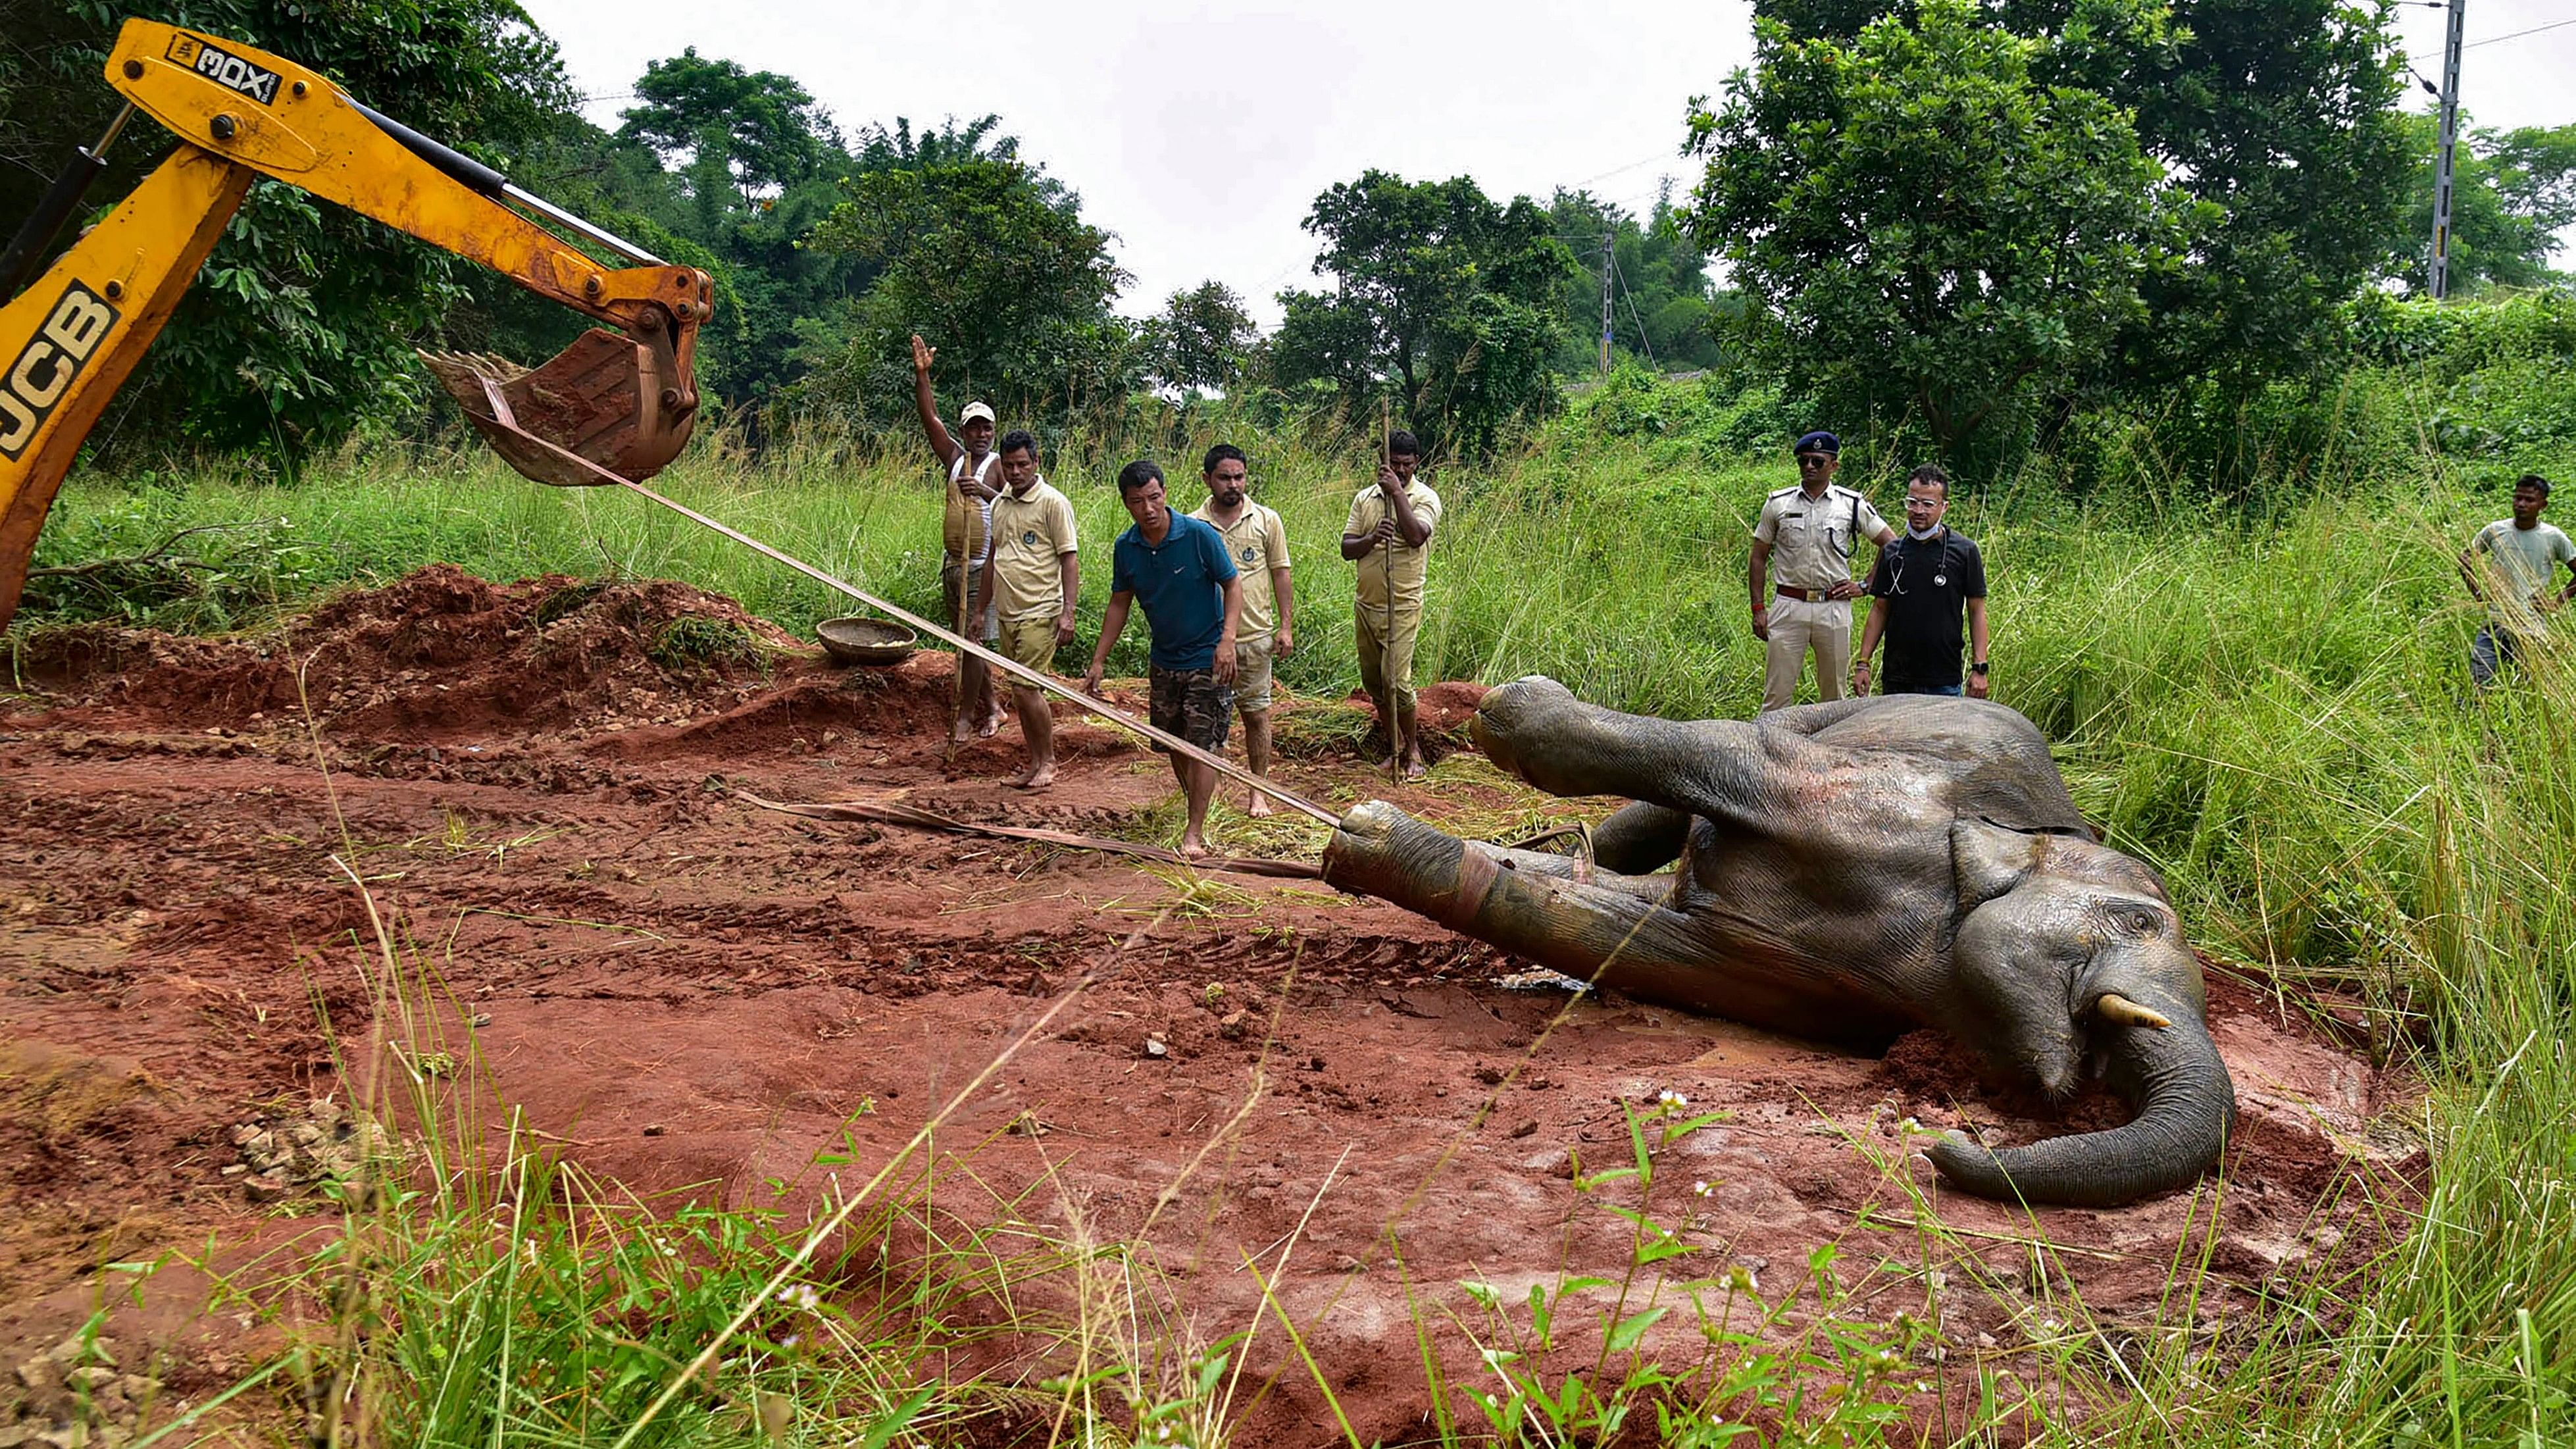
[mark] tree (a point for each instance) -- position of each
(1439, 296)
(991, 261)
(302, 323)
(1203, 340)
(2512, 192)
(2284, 162)
(756, 131)
(1935, 233)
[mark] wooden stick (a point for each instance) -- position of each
(1386, 572)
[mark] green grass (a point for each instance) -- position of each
(2276, 714)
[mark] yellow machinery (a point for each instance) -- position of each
(624, 400)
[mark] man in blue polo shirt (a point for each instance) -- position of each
(1179, 568)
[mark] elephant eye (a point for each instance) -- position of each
(2141, 920)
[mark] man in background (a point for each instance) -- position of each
(1177, 566)
(1258, 544)
(2522, 558)
(1922, 587)
(1029, 589)
(1814, 528)
(1388, 534)
(966, 537)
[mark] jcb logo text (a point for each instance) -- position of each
(43, 370)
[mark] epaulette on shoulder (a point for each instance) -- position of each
(1784, 492)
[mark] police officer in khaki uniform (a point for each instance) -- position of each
(1814, 528)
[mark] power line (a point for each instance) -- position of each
(1643, 343)
(1621, 170)
(2519, 34)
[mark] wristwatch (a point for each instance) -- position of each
(1978, 668)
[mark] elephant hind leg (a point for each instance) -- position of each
(1641, 839)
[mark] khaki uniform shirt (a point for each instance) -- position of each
(1409, 566)
(1258, 544)
(1812, 539)
(1030, 533)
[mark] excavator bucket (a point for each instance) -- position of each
(621, 404)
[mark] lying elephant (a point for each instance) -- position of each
(1848, 872)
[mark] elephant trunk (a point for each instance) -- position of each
(2184, 1102)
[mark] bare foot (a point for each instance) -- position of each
(989, 728)
(963, 732)
(1414, 768)
(1038, 778)
(1193, 848)
(1260, 806)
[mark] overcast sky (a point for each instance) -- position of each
(1200, 133)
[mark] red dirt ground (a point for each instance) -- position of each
(690, 993)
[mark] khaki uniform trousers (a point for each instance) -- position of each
(1799, 626)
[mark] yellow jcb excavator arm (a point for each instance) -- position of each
(72, 338)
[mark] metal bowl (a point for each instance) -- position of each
(856, 640)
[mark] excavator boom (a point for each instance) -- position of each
(625, 399)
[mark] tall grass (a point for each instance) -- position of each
(2275, 714)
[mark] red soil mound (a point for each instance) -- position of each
(438, 653)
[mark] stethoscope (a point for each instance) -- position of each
(1940, 571)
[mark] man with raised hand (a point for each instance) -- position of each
(1388, 534)
(1258, 544)
(1029, 589)
(1928, 586)
(1814, 527)
(1177, 566)
(2522, 559)
(968, 530)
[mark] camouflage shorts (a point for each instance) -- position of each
(1192, 704)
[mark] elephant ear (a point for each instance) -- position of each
(1988, 860)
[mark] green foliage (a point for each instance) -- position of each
(2512, 192)
(1441, 298)
(758, 130)
(1664, 309)
(697, 641)
(1838, 1380)
(302, 324)
(2281, 167)
(2283, 158)
(990, 260)
(1203, 339)
(1938, 234)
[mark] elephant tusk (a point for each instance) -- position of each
(2122, 1011)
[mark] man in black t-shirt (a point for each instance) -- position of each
(1924, 584)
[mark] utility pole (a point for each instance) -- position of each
(1608, 233)
(2438, 274)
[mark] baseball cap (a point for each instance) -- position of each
(1819, 441)
(973, 411)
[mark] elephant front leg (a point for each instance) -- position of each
(1617, 931)
(1536, 729)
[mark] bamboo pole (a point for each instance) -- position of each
(1386, 576)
